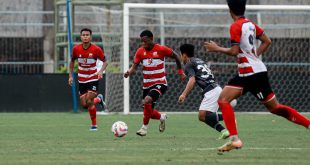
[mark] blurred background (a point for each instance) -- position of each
(34, 51)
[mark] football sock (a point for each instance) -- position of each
(92, 114)
(96, 100)
(229, 117)
(211, 119)
(147, 113)
(220, 117)
(291, 115)
(155, 115)
(144, 126)
(162, 117)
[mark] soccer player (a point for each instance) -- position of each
(152, 56)
(252, 73)
(199, 73)
(87, 55)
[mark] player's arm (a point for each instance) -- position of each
(131, 70)
(213, 47)
(265, 43)
(103, 67)
(71, 66)
(102, 58)
(190, 85)
(179, 65)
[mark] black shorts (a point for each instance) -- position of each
(155, 91)
(258, 84)
(90, 86)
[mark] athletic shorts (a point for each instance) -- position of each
(258, 84)
(209, 101)
(155, 91)
(88, 87)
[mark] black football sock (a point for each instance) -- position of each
(220, 117)
(211, 119)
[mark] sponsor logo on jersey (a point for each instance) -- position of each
(155, 54)
(149, 61)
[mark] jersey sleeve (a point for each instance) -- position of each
(235, 34)
(137, 58)
(100, 54)
(189, 70)
(259, 31)
(166, 51)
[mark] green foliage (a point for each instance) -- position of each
(64, 138)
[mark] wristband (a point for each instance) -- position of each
(180, 71)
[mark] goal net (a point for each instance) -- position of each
(174, 24)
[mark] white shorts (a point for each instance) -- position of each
(209, 101)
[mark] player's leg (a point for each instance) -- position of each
(83, 100)
(264, 93)
(92, 88)
(227, 95)
(208, 111)
(146, 112)
(92, 109)
(82, 93)
(155, 93)
(99, 100)
(287, 112)
(150, 96)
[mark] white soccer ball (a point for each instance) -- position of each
(233, 103)
(119, 129)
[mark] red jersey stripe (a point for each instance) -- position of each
(152, 76)
(87, 72)
(151, 68)
(243, 60)
(154, 82)
(245, 70)
(87, 65)
(83, 79)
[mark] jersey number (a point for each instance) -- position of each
(206, 72)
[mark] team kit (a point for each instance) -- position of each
(252, 77)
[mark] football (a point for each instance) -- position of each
(233, 103)
(119, 129)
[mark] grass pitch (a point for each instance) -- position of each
(64, 138)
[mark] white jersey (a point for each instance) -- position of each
(246, 33)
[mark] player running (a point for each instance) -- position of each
(152, 56)
(252, 75)
(87, 55)
(199, 73)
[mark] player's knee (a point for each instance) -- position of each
(222, 100)
(89, 102)
(148, 100)
(84, 105)
(201, 118)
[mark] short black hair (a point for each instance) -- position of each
(188, 49)
(146, 33)
(237, 6)
(86, 29)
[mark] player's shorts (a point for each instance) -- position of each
(258, 84)
(88, 87)
(209, 101)
(155, 91)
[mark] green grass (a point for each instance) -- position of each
(64, 138)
